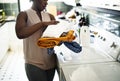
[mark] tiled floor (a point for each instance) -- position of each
(12, 68)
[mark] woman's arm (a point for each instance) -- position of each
(22, 31)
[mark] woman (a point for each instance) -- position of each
(30, 25)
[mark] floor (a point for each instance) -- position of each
(12, 68)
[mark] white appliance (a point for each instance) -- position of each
(99, 61)
(109, 71)
(108, 4)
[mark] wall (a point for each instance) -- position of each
(61, 6)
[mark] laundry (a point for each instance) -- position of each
(50, 51)
(50, 42)
(73, 46)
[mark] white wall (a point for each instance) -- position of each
(25, 4)
(68, 2)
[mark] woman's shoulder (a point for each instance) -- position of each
(22, 15)
(25, 13)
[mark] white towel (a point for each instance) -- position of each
(57, 30)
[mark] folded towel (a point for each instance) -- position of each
(50, 42)
(57, 30)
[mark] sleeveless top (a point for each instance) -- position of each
(32, 53)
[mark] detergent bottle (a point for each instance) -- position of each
(84, 32)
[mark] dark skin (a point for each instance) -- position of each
(22, 31)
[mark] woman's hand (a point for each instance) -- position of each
(53, 22)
